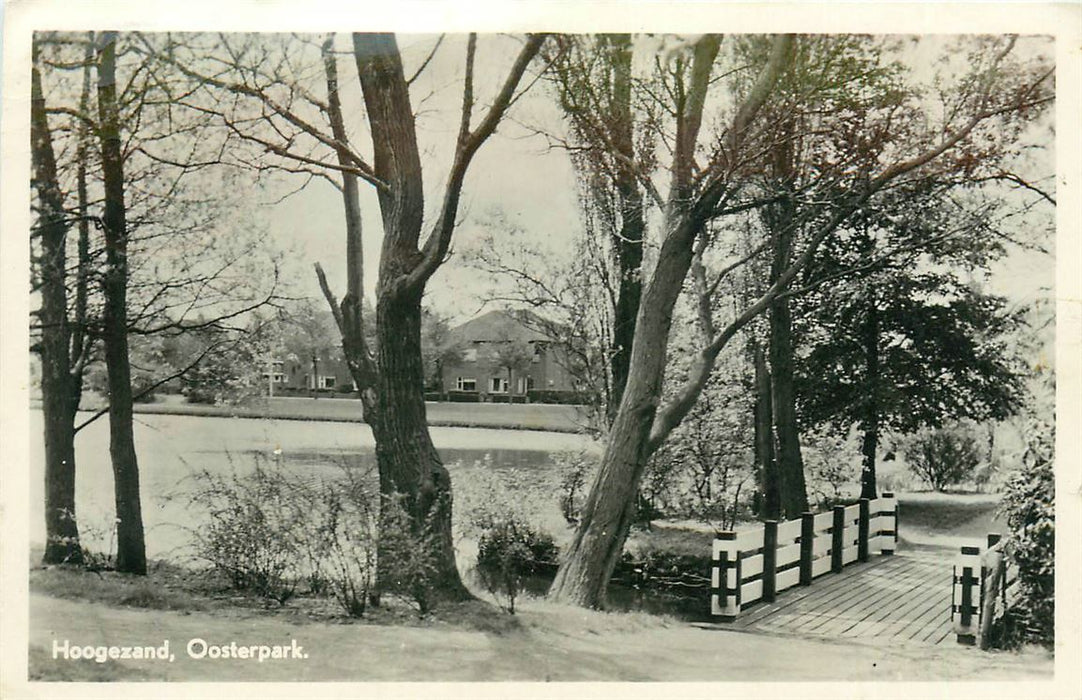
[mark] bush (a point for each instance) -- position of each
(575, 468)
(944, 457)
(831, 463)
(1029, 506)
(252, 532)
(507, 516)
(509, 551)
(407, 564)
(560, 397)
(341, 540)
(270, 530)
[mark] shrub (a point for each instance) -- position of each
(342, 539)
(503, 515)
(509, 551)
(270, 530)
(252, 532)
(944, 457)
(407, 564)
(1029, 506)
(831, 463)
(575, 468)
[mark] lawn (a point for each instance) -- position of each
(466, 642)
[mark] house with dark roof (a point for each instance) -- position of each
(507, 356)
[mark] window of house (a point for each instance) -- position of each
(279, 378)
(498, 385)
(538, 350)
(326, 382)
(466, 384)
(525, 384)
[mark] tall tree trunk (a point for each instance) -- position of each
(870, 423)
(790, 464)
(591, 558)
(780, 219)
(766, 464)
(410, 469)
(131, 547)
(58, 400)
(628, 241)
(409, 466)
(607, 514)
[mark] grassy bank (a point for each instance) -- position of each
(466, 642)
(543, 417)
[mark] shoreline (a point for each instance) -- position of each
(554, 418)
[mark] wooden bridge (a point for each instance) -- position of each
(835, 575)
(906, 597)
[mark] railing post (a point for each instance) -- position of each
(725, 598)
(862, 529)
(770, 559)
(992, 577)
(888, 549)
(717, 579)
(807, 541)
(963, 612)
(837, 533)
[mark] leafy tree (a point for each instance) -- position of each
(144, 266)
(438, 349)
(1029, 504)
(995, 98)
(609, 141)
(944, 457)
(63, 349)
(908, 341)
(512, 355)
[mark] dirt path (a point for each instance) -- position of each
(555, 644)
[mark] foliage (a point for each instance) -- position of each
(252, 529)
(407, 553)
(1029, 506)
(229, 373)
(149, 365)
(575, 470)
(832, 463)
(943, 457)
(510, 550)
(341, 537)
(504, 518)
(270, 530)
(705, 469)
(438, 348)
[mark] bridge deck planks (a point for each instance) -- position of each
(904, 597)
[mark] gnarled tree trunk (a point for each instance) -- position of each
(410, 468)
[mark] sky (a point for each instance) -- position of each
(514, 171)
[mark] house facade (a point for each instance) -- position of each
(506, 356)
(307, 375)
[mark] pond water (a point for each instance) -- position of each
(173, 448)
